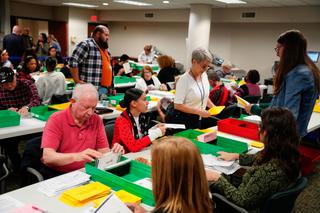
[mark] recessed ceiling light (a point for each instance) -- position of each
(105, 4)
(166, 2)
(232, 1)
(137, 3)
(79, 5)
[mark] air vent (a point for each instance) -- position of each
(249, 15)
(148, 15)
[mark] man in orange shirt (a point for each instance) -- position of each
(90, 61)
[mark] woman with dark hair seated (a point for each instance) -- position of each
(251, 87)
(29, 66)
(274, 169)
(131, 128)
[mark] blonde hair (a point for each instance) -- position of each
(178, 177)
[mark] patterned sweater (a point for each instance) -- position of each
(258, 184)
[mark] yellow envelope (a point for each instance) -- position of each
(123, 195)
(241, 101)
(317, 106)
(216, 110)
(60, 106)
(257, 144)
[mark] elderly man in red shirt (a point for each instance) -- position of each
(76, 135)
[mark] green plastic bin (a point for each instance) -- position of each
(42, 112)
(123, 80)
(9, 118)
(115, 99)
(122, 177)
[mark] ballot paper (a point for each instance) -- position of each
(8, 204)
(145, 182)
(253, 119)
(55, 186)
(241, 102)
(112, 204)
(127, 68)
(213, 163)
(107, 160)
(175, 126)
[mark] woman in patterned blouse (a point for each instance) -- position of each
(274, 169)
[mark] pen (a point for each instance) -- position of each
(38, 209)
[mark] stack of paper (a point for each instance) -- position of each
(55, 186)
(81, 195)
(226, 167)
(253, 119)
(107, 160)
(123, 195)
(241, 102)
(145, 182)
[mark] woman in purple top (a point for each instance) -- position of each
(251, 88)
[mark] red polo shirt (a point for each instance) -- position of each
(63, 135)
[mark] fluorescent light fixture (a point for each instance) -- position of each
(79, 5)
(166, 2)
(232, 1)
(105, 4)
(136, 3)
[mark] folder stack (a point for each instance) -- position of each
(80, 196)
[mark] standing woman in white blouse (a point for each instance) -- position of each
(192, 92)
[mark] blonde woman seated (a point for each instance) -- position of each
(179, 185)
(148, 81)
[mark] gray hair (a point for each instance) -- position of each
(84, 89)
(201, 54)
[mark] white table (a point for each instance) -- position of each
(27, 126)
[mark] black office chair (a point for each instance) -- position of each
(32, 168)
(279, 202)
(4, 172)
(109, 128)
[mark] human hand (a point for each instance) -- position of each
(163, 87)
(228, 156)
(80, 82)
(248, 108)
(212, 175)
(117, 148)
(162, 127)
(87, 155)
(135, 208)
(13, 109)
(23, 110)
(204, 113)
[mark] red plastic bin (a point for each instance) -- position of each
(308, 159)
(240, 128)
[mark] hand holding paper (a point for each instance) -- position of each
(216, 110)
(241, 102)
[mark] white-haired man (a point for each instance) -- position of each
(76, 135)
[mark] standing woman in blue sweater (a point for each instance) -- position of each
(297, 79)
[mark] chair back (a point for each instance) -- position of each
(284, 201)
(109, 128)
(32, 154)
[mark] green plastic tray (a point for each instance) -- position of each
(122, 177)
(9, 118)
(223, 144)
(123, 80)
(42, 112)
(115, 99)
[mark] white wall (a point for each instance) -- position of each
(30, 10)
(36, 27)
(131, 37)
(78, 25)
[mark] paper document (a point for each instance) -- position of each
(241, 102)
(127, 68)
(175, 126)
(145, 182)
(112, 204)
(55, 186)
(253, 119)
(216, 110)
(8, 204)
(211, 160)
(107, 159)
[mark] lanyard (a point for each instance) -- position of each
(202, 92)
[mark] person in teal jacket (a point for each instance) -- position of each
(297, 80)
